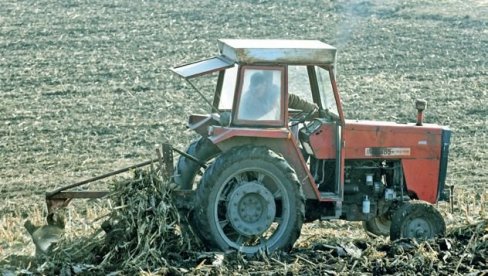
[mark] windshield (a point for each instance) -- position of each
(325, 89)
(298, 82)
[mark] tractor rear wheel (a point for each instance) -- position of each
(249, 200)
(417, 219)
(186, 169)
(379, 225)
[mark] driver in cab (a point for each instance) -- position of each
(261, 101)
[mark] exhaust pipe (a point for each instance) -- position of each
(420, 105)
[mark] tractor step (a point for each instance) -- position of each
(328, 196)
(337, 212)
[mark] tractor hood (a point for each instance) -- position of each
(388, 139)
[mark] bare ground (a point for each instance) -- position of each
(85, 89)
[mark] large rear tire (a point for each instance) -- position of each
(249, 200)
(186, 169)
(417, 219)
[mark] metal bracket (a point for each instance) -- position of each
(167, 160)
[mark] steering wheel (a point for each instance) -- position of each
(301, 117)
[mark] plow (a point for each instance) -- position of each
(61, 196)
(275, 151)
(44, 236)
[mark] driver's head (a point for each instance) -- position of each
(258, 84)
(268, 76)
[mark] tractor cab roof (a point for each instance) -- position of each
(273, 51)
(261, 51)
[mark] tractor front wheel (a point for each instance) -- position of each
(249, 200)
(417, 219)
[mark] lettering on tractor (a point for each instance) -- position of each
(275, 151)
(380, 151)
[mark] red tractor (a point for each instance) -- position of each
(261, 168)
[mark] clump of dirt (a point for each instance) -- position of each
(462, 251)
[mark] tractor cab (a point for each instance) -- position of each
(257, 83)
(256, 76)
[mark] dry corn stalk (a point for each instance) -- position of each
(142, 232)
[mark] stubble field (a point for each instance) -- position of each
(85, 86)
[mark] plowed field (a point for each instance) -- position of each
(85, 89)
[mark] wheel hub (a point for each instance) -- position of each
(419, 228)
(251, 208)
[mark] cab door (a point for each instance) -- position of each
(327, 139)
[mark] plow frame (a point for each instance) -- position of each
(61, 197)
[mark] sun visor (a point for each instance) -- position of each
(203, 67)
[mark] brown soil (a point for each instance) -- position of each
(85, 89)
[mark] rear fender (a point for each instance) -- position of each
(200, 123)
(281, 142)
